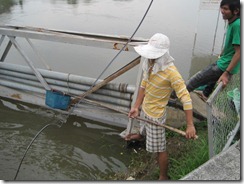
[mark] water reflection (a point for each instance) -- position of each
(81, 1)
(72, 1)
(5, 5)
(67, 1)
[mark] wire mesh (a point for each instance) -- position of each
(224, 120)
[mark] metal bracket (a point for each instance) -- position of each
(31, 65)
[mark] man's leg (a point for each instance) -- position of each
(163, 165)
(156, 143)
(210, 74)
(209, 89)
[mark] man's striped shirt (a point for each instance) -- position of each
(158, 88)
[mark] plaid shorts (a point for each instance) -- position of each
(155, 135)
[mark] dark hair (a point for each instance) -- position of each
(233, 5)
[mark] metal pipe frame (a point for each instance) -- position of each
(29, 62)
(31, 80)
(6, 50)
(210, 119)
(20, 77)
(37, 89)
(86, 39)
(68, 78)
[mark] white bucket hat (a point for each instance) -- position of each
(157, 46)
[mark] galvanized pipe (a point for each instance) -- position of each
(93, 40)
(6, 50)
(29, 79)
(1, 40)
(15, 85)
(67, 77)
(126, 109)
(36, 87)
(18, 74)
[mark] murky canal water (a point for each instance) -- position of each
(80, 150)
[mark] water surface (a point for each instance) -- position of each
(84, 149)
(80, 150)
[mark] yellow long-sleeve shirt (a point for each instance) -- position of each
(158, 88)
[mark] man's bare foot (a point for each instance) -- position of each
(130, 137)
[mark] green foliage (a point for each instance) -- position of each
(190, 160)
(186, 155)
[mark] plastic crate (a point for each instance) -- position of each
(57, 99)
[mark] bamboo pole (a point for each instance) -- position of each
(141, 119)
(108, 79)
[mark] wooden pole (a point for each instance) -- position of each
(108, 79)
(141, 119)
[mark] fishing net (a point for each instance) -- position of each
(224, 116)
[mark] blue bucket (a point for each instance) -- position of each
(57, 99)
